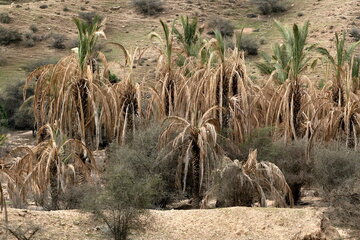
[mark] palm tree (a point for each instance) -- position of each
(198, 137)
(277, 64)
(51, 166)
(339, 62)
(70, 93)
(286, 102)
(190, 37)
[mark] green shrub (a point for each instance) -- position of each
(131, 185)
(113, 78)
(20, 115)
(8, 36)
(5, 18)
(222, 25)
(272, 6)
(148, 7)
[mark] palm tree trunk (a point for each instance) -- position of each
(196, 195)
(54, 187)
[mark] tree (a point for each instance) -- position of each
(199, 137)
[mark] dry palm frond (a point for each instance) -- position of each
(198, 135)
(46, 166)
(270, 177)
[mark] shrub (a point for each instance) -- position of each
(36, 64)
(44, 6)
(29, 43)
(89, 16)
(20, 115)
(5, 18)
(130, 185)
(222, 25)
(8, 36)
(58, 41)
(355, 33)
(142, 157)
(74, 196)
(33, 28)
(272, 6)
(249, 45)
(148, 7)
(333, 165)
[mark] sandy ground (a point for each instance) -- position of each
(216, 224)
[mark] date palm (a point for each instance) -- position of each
(50, 167)
(197, 136)
(339, 62)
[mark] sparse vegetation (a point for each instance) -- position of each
(248, 44)
(5, 18)
(20, 115)
(224, 26)
(89, 17)
(8, 36)
(148, 7)
(58, 41)
(272, 6)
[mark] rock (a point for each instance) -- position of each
(115, 8)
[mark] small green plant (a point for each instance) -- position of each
(113, 78)
(148, 7)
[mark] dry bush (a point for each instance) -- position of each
(5, 18)
(334, 165)
(222, 25)
(58, 41)
(148, 7)
(89, 17)
(235, 188)
(272, 6)
(249, 45)
(8, 36)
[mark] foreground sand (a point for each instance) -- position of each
(215, 224)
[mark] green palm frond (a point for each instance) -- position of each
(88, 34)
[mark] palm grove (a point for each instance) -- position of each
(204, 102)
